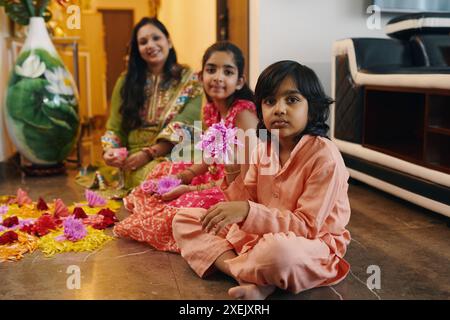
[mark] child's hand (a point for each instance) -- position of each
(222, 214)
(176, 192)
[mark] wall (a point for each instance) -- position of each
(6, 148)
(304, 31)
(192, 25)
(140, 7)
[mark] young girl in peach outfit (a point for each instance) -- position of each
(284, 222)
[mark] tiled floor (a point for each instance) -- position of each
(410, 245)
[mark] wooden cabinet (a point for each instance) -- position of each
(411, 124)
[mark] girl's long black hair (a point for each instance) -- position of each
(245, 93)
(309, 86)
(132, 92)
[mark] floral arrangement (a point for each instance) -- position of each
(160, 186)
(217, 142)
(20, 11)
(53, 227)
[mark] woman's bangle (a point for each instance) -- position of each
(232, 172)
(202, 187)
(150, 151)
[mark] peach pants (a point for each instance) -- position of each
(284, 260)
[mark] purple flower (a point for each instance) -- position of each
(93, 199)
(166, 184)
(74, 229)
(218, 140)
(3, 209)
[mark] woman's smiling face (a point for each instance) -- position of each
(154, 46)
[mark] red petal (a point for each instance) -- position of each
(41, 205)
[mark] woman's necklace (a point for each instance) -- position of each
(153, 98)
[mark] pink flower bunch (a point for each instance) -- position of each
(160, 186)
(23, 198)
(93, 199)
(61, 209)
(120, 153)
(218, 140)
(166, 184)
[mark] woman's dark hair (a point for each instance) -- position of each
(309, 86)
(245, 93)
(132, 92)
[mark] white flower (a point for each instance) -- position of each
(60, 81)
(57, 100)
(32, 67)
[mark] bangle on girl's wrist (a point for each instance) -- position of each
(232, 172)
(206, 186)
(150, 151)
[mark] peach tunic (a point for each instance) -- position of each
(294, 236)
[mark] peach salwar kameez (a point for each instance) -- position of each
(294, 236)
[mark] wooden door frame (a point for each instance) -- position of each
(101, 11)
(223, 29)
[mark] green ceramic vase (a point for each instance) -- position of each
(42, 101)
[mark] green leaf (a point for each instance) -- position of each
(28, 4)
(51, 62)
(17, 12)
(61, 113)
(24, 102)
(43, 8)
(50, 145)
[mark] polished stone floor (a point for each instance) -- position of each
(408, 244)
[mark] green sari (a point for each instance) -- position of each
(165, 110)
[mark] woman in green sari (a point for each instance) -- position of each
(150, 101)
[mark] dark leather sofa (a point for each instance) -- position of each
(406, 79)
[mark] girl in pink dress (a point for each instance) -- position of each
(229, 99)
(284, 224)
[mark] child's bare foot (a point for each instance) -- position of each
(250, 291)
